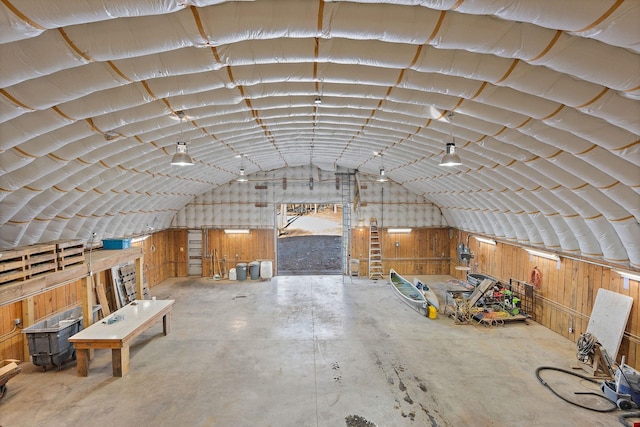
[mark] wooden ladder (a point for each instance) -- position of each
(375, 251)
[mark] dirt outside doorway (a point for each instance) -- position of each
(311, 241)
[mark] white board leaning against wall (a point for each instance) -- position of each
(609, 319)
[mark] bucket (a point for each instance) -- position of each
(254, 270)
(232, 274)
(266, 269)
(241, 271)
(355, 267)
(433, 313)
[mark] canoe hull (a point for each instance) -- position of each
(429, 295)
(408, 293)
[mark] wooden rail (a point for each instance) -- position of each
(100, 260)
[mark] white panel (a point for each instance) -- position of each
(609, 319)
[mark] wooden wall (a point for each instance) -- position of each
(12, 345)
(162, 256)
(174, 258)
(161, 261)
(231, 249)
(422, 251)
(566, 297)
(564, 300)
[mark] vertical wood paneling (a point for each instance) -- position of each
(178, 252)
(567, 294)
(422, 251)
(11, 346)
(44, 305)
(231, 249)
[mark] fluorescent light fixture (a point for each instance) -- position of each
(236, 231)
(546, 255)
(399, 230)
(483, 240)
(629, 275)
(140, 238)
(182, 157)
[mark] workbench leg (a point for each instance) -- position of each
(82, 360)
(166, 323)
(120, 361)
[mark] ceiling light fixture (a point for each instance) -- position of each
(382, 176)
(242, 177)
(450, 157)
(182, 157)
(317, 101)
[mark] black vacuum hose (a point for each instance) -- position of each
(623, 418)
(544, 383)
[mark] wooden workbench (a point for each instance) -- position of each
(117, 330)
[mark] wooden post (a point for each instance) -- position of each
(87, 301)
(139, 279)
(28, 319)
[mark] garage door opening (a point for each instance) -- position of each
(309, 239)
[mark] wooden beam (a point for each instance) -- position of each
(28, 319)
(87, 302)
(139, 279)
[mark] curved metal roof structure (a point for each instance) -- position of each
(545, 96)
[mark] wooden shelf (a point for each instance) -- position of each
(98, 261)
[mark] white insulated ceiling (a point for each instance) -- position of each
(545, 96)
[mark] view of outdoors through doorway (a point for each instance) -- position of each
(309, 239)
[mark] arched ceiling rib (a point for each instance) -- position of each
(545, 95)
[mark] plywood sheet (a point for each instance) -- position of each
(609, 319)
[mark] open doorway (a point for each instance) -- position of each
(309, 239)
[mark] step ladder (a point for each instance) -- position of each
(375, 251)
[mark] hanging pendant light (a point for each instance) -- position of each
(450, 157)
(382, 176)
(241, 174)
(182, 157)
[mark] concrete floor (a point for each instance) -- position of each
(306, 351)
